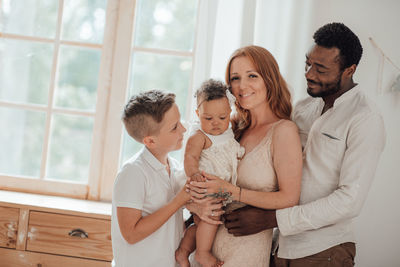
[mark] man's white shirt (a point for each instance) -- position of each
(341, 150)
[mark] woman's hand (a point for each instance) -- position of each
(213, 184)
(207, 208)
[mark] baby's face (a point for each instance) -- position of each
(214, 116)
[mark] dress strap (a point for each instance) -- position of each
(268, 136)
(268, 139)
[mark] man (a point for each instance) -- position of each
(342, 135)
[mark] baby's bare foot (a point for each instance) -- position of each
(182, 257)
(206, 259)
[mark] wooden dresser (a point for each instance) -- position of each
(45, 231)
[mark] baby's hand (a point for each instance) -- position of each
(197, 177)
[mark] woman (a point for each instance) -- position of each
(269, 174)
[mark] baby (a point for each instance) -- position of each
(213, 149)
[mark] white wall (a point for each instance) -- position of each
(286, 28)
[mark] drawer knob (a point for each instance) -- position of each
(78, 233)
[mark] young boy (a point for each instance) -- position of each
(146, 227)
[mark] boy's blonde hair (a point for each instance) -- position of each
(144, 112)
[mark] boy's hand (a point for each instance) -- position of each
(184, 194)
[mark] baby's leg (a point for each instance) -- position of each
(205, 235)
(187, 246)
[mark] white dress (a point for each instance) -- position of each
(222, 157)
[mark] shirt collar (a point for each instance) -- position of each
(347, 95)
(152, 160)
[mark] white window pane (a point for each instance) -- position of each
(129, 147)
(166, 24)
(163, 72)
(84, 20)
(25, 71)
(77, 78)
(21, 141)
(70, 145)
(32, 18)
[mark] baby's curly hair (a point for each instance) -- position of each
(209, 90)
(340, 36)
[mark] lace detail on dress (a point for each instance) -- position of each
(222, 158)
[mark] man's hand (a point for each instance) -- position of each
(249, 220)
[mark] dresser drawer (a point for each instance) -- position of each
(54, 233)
(8, 227)
(18, 258)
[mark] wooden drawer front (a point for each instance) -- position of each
(17, 258)
(8, 227)
(49, 232)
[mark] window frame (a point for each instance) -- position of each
(113, 83)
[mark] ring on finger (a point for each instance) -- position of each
(212, 213)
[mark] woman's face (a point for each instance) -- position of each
(247, 84)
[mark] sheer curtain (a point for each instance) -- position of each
(282, 27)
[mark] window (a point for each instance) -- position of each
(67, 68)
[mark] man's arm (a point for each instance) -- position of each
(367, 139)
(249, 220)
(365, 143)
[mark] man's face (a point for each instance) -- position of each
(323, 71)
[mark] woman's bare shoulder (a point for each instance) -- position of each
(286, 125)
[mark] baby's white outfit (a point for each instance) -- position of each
(222, 157)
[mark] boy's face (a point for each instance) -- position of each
(214, 116)
(171, 132)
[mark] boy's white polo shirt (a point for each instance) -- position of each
(143, 183)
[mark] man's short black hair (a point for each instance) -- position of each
(340, 36)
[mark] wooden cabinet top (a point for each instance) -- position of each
(56, 204)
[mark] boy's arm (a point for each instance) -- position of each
(194, 146)
(135, 228)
